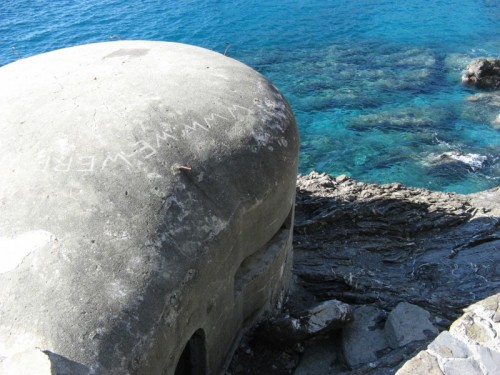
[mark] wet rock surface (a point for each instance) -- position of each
(383, 249)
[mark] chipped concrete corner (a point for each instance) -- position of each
(147, 193)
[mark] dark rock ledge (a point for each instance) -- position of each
(407, 261)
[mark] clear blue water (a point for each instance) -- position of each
(375, 84)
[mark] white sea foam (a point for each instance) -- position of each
(475, 161)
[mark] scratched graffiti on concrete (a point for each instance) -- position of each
(136, 152)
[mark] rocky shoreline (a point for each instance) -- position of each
(406, 260)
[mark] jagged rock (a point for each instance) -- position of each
(471, 346)
(298, 326)
(383, 244)
(483, 73)
(407, 323)
(363, 340)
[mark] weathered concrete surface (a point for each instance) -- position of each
(147, 194)
(376, 246)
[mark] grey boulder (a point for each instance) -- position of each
(407, 323)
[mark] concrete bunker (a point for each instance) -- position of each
(147, 193)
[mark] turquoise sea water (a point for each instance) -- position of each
(375, 84)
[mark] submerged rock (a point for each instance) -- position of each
(490, 99)
(412, 119)
(483, 107)
(454, 165)
(483, 73)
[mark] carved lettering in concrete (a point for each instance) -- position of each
(143, 148)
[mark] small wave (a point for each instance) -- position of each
(475, 161)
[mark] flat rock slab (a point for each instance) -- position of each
(363, 340)
(147, 194)
(407, 323)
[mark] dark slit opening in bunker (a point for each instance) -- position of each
(193, 358)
